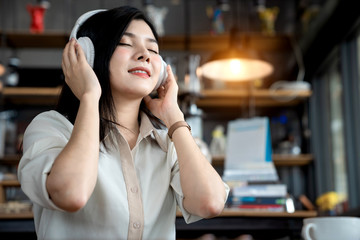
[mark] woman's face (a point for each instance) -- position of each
(135, 64)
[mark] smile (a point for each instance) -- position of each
(139, 71)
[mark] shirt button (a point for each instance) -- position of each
(136, 225)
(134, 189)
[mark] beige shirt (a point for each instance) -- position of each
(136, 194)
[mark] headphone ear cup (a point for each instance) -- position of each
(88, 48)
(163, 75)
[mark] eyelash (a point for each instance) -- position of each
(126, 44)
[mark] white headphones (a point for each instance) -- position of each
(89, 50)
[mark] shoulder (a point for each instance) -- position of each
(49, 123)
(49, 119)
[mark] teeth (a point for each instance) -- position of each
(139, 71)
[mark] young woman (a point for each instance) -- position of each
(103, 165)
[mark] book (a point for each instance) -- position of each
(264, 207)
(257, 200)
(260, 190)
(249, 152)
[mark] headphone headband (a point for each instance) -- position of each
(81, 20)
(85, 42)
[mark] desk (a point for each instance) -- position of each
(232, 223)
(17, 226)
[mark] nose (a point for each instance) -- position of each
(144, 56)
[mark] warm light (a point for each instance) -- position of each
(235, 66)
(236, 69)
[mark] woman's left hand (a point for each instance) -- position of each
(166, 106)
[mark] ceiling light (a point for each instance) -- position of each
(236, 68)
(235, 63)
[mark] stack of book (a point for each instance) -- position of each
(258, 197)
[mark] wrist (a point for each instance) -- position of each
(176, 126)
(173, 118)
(89, 97)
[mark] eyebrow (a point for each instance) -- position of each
(131, 35)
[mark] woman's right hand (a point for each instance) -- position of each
(79, 75)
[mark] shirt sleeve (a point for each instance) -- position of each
(44, 139)
(176, 186)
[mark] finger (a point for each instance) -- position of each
(161, 92)
(80, 52)
(65, 58)
(170, 73)
(72, 51)
(172, 87)
(65, 63)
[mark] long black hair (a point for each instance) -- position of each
(105, 29)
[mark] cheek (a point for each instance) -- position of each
(118, 60)
(120, 55)
(157, 63)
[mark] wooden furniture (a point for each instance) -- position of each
(233, 223)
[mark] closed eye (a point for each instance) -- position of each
(153, 51)
(127, 44)
(124, 44)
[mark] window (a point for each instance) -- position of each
(337, 132)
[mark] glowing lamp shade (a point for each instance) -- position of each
(235, 68)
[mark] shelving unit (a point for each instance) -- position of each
(209, 99)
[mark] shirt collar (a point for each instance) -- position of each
(147, 129)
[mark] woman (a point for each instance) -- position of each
(101, 166)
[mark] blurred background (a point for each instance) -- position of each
(304, 79)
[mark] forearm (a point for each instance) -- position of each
(73, 175)
(204, 191)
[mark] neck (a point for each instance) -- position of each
(127, 116)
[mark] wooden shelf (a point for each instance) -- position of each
(31, 91)
(21, 215)
(24, 39)
(228, 212)
(260, 98)
(31, 95)
(256, 41)
(208, 98)
(225, 213)
(278, 159)
(292, 160)
(10, 159)
(9, 183)
(296, 214)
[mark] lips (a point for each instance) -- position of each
(140, 71)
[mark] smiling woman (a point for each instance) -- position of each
(102, 166)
